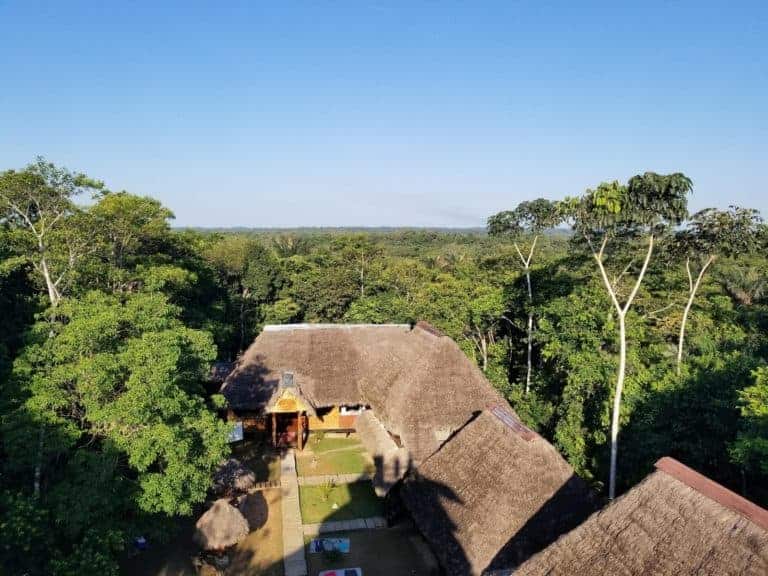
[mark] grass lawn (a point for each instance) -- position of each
(355, 461)
(334, 455)
(357, 500)
(261, 553)
(379, 553)
(318, 444)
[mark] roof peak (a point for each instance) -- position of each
(714, 491)
(288, 327)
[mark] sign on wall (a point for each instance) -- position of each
(288, 402)
(237, 433)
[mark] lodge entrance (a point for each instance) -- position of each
(289, 429)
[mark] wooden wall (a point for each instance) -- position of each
(332, 419)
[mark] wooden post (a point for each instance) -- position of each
(274, 429)
(301, 432)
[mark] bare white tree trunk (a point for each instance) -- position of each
(527, 269)
(53, 292)
(621, 311)
(530, 336)
(617, 405)
(693, 287)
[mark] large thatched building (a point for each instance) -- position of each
(483, 489)
(419, 384)
(675, 522)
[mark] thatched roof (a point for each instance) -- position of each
(220, 371)
(676, 521)
(392, 461)
(420, 384)
(493, 495)
(233, 476)
(220, 527)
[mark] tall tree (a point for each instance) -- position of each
(39, 202)
(648, 203)
(250, 273)
(525, 223)
(712, 233)
(127, 227)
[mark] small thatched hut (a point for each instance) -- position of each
(493, 495)
(220, 527)
(675, 522)
(233, 477)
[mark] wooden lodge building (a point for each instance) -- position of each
(488, 494)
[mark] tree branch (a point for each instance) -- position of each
(608, 286)
(639, 281)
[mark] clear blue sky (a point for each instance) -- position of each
(388, 113)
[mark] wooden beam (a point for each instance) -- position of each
(274, 429)
(301, 432)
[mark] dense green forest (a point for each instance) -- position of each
(111, 320)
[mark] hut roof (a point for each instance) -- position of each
(493, 495)
(233, 476)
(220, 527)
(419, 383)
(676, 521)
(220, 371)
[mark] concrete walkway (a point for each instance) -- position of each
(294, 562)
(345, 525)
(335, 478)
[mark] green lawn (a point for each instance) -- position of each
(334, 455)
(319, 444)
(347, 462)
(357, 500)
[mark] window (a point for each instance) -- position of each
(288, 380)
(351, 410)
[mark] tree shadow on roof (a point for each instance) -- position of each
(427, 498)
(564, 511)
(250, 386)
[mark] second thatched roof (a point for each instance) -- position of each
(493, 495)
(675, 522)
(220, 527)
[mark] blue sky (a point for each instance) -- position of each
(386, 113)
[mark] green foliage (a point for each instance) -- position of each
(751, 447)
(532, 216)
(102, 365)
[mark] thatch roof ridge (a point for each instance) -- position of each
(392, 461)
(311, 326)
(660, 526)
(714, 491)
